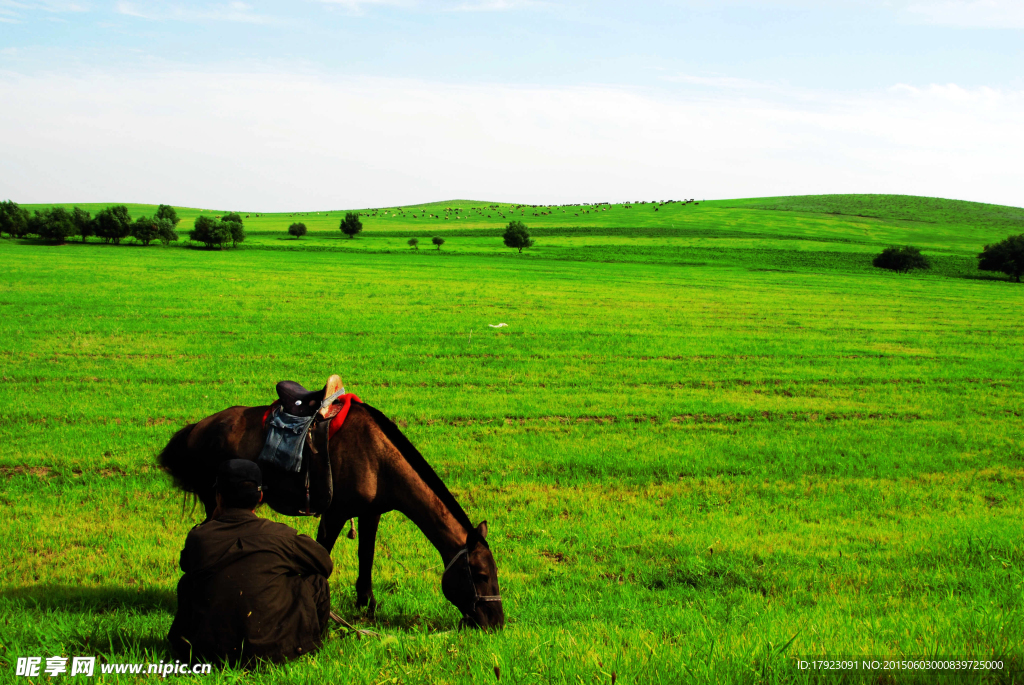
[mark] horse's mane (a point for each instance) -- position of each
(419, 465)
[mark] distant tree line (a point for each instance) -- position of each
(114, 224)
(111, 225)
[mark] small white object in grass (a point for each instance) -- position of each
(498, 325)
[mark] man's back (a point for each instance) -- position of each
(252, 588)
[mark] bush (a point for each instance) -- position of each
(167, 212)
(517, 235)
(210, 232)
(85, 225)
(351, 224)
(1006, 256)
(437, 241)
(145, 230)
(414, 243)
(54, 224)
(13, 219)
(298, 229)
(113, 224)
(901, 259)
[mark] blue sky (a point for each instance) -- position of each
(312, 104)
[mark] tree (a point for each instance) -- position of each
(901, 259)
(1006, 256)
(165, 230)
(85, 226)
(351, 224)
(35, 223)
(516, 235)
(54, 224)
(232, 216)
(437, 241)
(167, 212)
(236, 231)
(210, 232)
(145, 230)
(113, 223)
(298, 229)
(414, 243)
(13, 219)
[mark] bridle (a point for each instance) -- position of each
(477, 597)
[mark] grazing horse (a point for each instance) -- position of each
(374, 469)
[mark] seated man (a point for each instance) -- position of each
(252, 588)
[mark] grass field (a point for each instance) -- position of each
(712, 439)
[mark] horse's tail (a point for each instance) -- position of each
(174, 459)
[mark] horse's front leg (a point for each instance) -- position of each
(331, 523)
(364, 583)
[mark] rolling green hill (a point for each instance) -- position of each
(931, 223)
(829, 232)
(894, 207)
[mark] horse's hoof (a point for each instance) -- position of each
(368, 602)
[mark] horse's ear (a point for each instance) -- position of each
(482, 530)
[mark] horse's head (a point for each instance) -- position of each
(470, 582)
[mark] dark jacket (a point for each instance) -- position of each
(252, 589)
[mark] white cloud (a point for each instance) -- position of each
(359, 6)
(275, 141)
(160, 11)
(1000, 14)
(724, 82)
(44, 5)
(496, 5)
(13, 11)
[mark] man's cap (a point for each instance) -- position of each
(233, 472)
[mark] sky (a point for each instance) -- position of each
(321, 104)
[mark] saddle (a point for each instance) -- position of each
(297, 401)
(299, 426)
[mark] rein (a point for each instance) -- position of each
(477, 597)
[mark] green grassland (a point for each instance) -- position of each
(711, 440)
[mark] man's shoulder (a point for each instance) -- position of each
(246, 525)
(268, 527)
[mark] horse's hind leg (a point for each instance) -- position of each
(364, 583)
